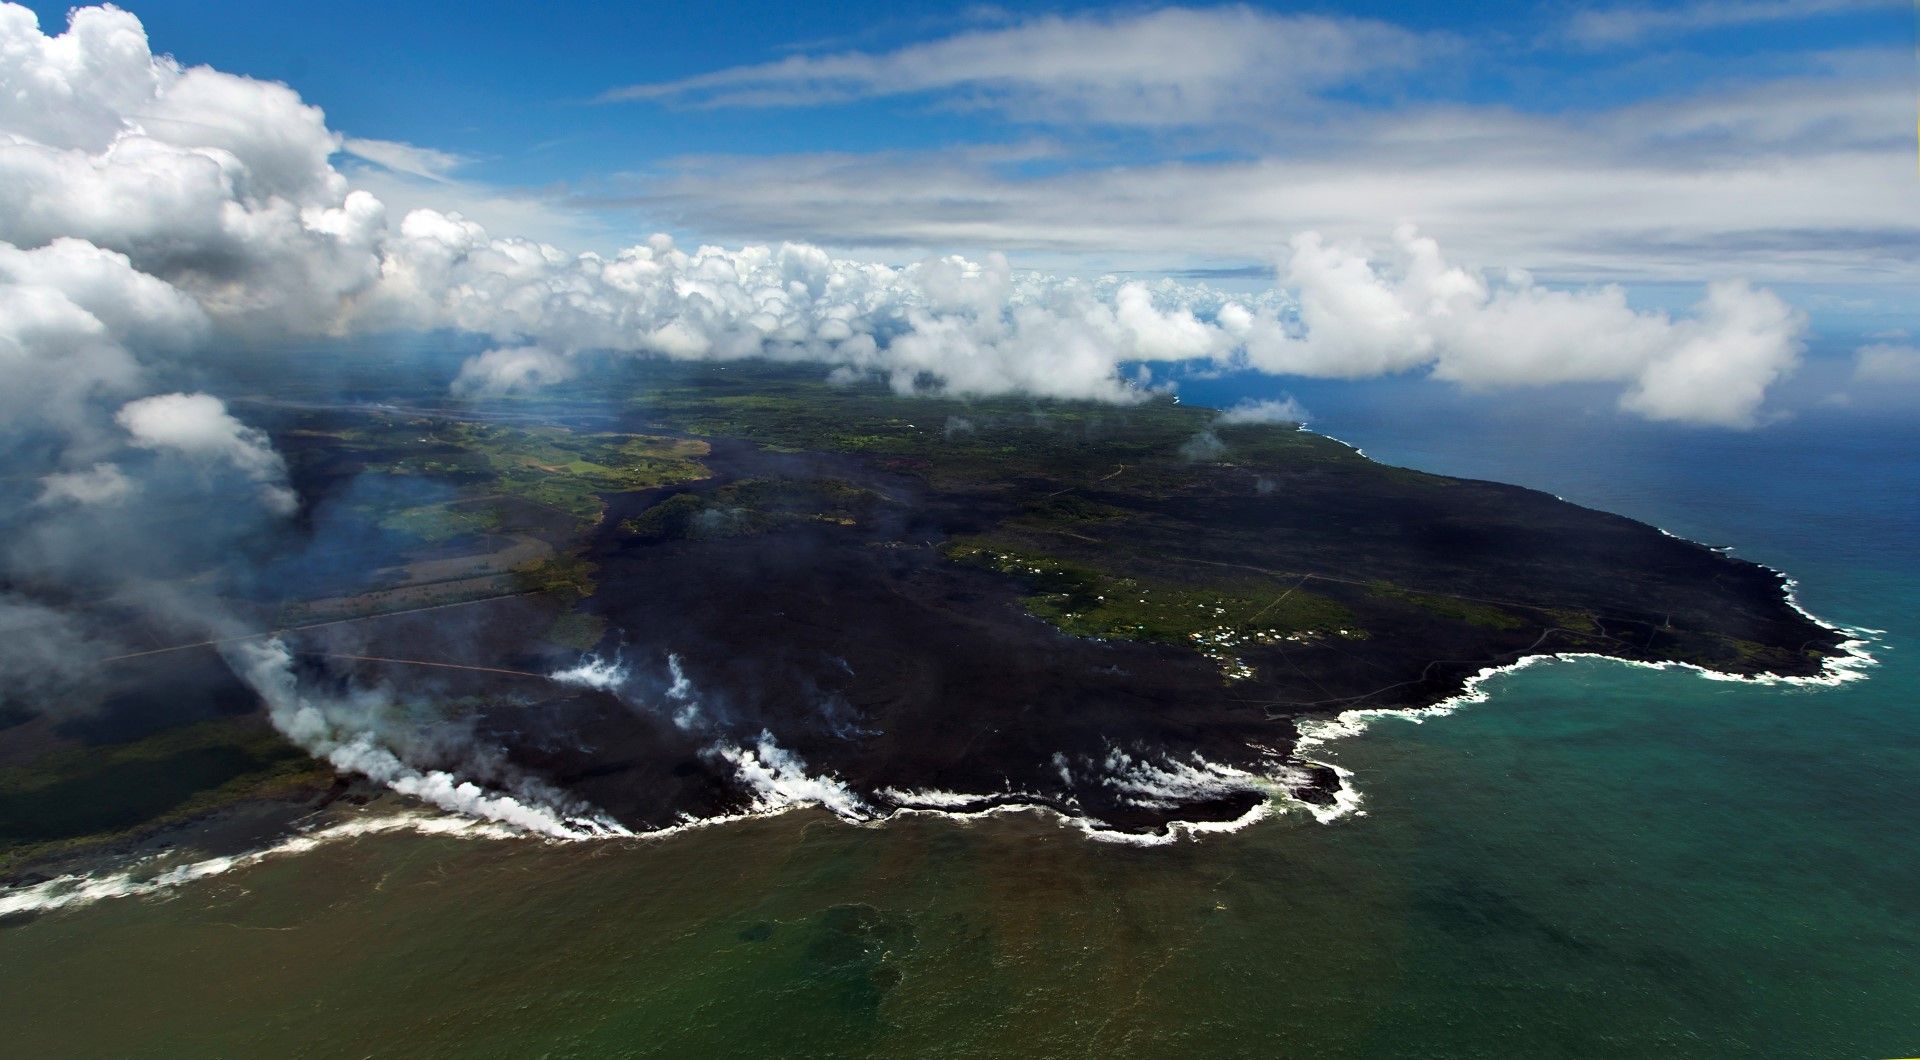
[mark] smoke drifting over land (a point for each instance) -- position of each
(347, 731)
(150, 212)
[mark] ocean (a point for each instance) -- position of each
(1597, 861)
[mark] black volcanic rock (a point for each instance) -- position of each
(1054, 605)
(878, 602)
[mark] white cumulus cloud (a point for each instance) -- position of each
(1884, 363)
(1358, 318)
(103, 483)
(198, 426)
(1272, 410)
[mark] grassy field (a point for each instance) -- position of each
(753, 506)
(1213, 618)
(954, 441)
(550, 467)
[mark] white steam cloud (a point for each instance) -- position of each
(345, 732)
(1272, 410)
(198, 426)
(779, 780)
(103, 483)
(1165, 783)
(687, 712)
(603, 675)
(681, 699)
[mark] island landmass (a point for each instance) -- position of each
(736, 587)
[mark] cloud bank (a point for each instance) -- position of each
(1422, 312)
(145, 206)
(199, 427)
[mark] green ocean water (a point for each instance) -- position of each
(1600, 861)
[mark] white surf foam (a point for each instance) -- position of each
(71, 891)
(931, 798)
(1175, 830)
(1849, 664)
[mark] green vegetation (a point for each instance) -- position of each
(955, 441)
(1214, 618)
(578, 630)
(566, 577)
(435, 523)
(1472, 612)
(753, 506)
(1577, 621)
(550, 467)
(1047, 513)
(1279, 443)
(478, 508)
(677, 517)
(1754, 654)
(87, 795)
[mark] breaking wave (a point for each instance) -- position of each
(64, 892)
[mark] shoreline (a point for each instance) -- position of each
(1849, 664)
(80, 890)
(76, 890)
(1279, 788)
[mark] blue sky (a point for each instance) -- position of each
(1684, 205)
(906, 163)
